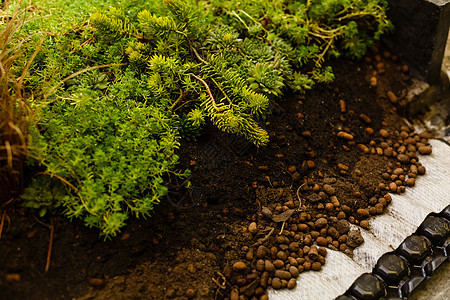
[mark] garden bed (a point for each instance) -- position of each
(200, 241)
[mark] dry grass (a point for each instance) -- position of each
(15, 113)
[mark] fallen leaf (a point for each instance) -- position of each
(284, 216)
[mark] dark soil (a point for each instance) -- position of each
(189, 245)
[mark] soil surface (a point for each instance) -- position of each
(249, 218)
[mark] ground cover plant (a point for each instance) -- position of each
(121, 88)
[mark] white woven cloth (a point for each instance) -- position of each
(403, 216)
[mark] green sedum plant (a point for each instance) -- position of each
(114, 153)
(121, 89)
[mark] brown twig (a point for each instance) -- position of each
(2, 222)
(9, 154)
(40, 222)
(265, 238)
(58, 177)
(282, 227)
(84, 43)
(50, 244)
(220, 285)
(299, 199)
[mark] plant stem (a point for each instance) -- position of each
(50, 244)
(59, 177)
(209, 91)
(178, 100)
(2, 222)
(223, 92)
(251, 18)
(78, 73)
(197, 55)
